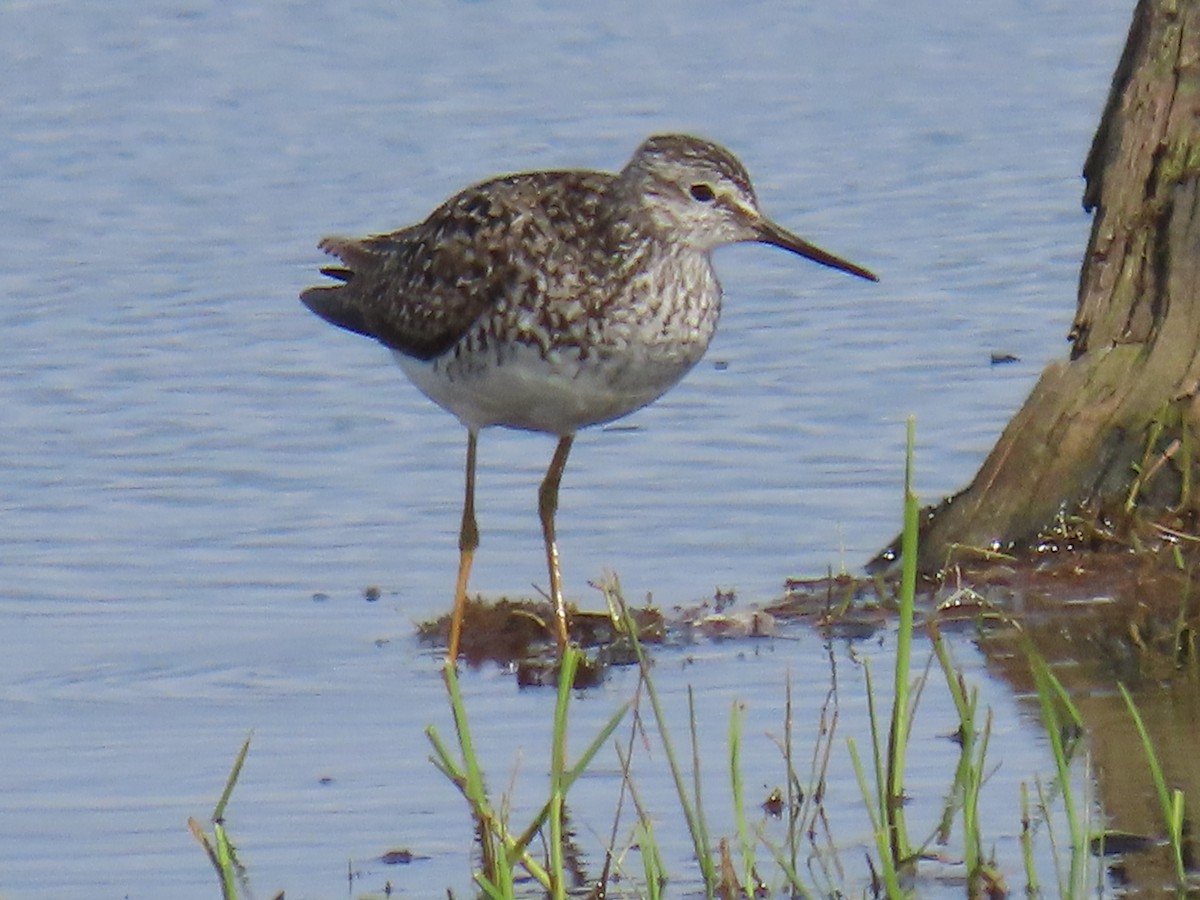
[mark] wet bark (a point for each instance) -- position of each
(1114, 425)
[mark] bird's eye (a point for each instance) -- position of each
(702, 192)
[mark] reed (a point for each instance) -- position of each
(901, 723)
(219, 848)
(1170, 801)
(502, 851)
(690, 803)
(1063, 726)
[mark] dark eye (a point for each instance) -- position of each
(702, 192)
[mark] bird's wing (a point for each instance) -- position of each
(420, 289)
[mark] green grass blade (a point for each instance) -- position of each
(226, 862)
(1170, 802)
(697, 786)
(900, 726)
(231, 781)
(558, 752)
(891, 877)
(652, 862)
(589, 753)
(1049, 699)
(494, 843)
(696, 828)
(1032, 885)
(736, 717)
(571, 775)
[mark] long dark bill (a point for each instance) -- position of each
(770, 233)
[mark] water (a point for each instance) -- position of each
(189, 456)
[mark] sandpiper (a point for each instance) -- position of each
(550, 301)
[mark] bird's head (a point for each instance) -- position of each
(697, 193)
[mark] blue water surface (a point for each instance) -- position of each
(199, 477)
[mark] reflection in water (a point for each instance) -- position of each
(1100, 620)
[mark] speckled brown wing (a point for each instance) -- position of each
(420, 289)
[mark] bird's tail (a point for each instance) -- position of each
(336, 303)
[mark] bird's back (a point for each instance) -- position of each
(419, 290)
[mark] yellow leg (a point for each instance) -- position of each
(468, 542)
(547, 507)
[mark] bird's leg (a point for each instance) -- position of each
(468, 541)
(547, 507)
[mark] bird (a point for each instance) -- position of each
(551, 301)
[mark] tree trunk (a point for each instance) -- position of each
(1116, 424)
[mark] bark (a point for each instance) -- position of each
(1115, 424)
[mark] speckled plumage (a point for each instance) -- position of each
(551, 301)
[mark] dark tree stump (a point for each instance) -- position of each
(1116, 424)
